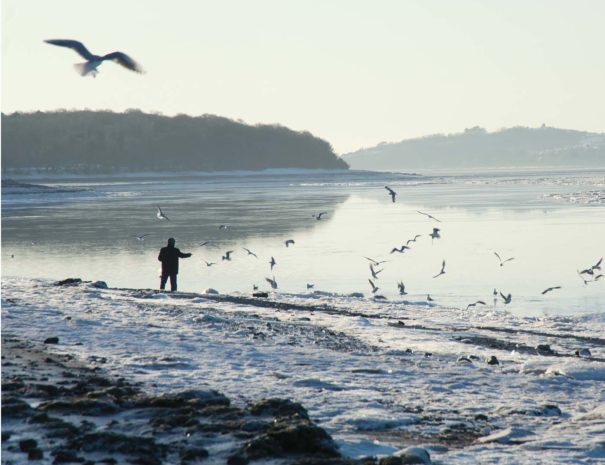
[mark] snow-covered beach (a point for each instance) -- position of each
(378, 376)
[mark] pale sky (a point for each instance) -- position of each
(352, 72)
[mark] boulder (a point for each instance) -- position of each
(278, 408)
(68, 282)
(414, 455)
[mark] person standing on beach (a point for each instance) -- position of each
(169, 256)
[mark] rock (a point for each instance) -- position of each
(260, 294)
(66, 456)
(237, 459)
(391, 460)
(463, 359)
(190, 455)
(192, 398)
(35, 454)
(51, 340)
(546, 410)
(99, 285)
(544, 349)
(474, 357)
(210, 291)
(481, 417)
(68, 282)
(584, 353)
(26, 445)
(91, 407)
(13, 407)
(356, 294)
(278, 408)
(492, 360)
(109, 442)
(414, 455)
(291, 435)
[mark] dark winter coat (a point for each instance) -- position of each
(169, 256)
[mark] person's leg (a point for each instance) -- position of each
(173, 282)
(163, 280)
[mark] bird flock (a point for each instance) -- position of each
(376, 266)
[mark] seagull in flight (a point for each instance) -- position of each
(479, 302)
(310, 286)
(374, 288)
(318, 216)
(429, 298)
(375, 262)
(582, 277)
(94, 61)
(392, 193)
(507, 298)
(412, 240)
(550, 289)
(435, 234)
(142, 237)
(442, 270)
(590, 270)
(209, 263)
(402, 249)
(429, 216)
(374, 272)
(160, 215)
(288, 242)
(401, 287)
(227, 255)
(502, 262)
(250, 252)
(273, 282)
(272, 262)
(205, 243)
(224, 226)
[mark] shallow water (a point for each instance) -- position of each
(552, 223)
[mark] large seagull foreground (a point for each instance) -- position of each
(94, 61)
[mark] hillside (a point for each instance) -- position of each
(106, 142)
(477, 148)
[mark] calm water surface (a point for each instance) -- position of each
(552, 223)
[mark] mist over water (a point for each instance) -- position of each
(552, 223)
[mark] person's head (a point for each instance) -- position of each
(171, 241)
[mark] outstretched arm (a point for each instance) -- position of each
(184, 255)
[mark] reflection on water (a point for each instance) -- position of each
(90, 234)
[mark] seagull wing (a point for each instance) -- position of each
(598, 265)
(76, 46)
(499, 258)
(508, 259)
(124, 60)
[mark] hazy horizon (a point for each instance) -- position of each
(353, 73)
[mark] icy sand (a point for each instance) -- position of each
(377, 375)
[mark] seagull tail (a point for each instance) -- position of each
(83, 69)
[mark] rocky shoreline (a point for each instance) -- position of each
(56, 409)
